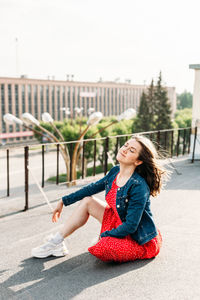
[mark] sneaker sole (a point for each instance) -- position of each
(51, 253)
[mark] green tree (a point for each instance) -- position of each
(162, 107)
(184, 100)
(143, 121)
(183, 118)
(151, 105)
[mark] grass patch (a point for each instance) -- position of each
(62, 177)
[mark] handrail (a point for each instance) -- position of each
(174, 144)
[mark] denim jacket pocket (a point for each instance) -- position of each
(124, 202)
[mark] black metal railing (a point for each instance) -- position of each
(171, 142)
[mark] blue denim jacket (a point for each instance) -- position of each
(132, 204)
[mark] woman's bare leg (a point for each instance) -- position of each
(88, 206)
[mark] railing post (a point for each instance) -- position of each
(83, 161)
(95, 151)
(42, 165)
(158, 140)
(194, 144)
(116, 149)
(106, 155)
(178, 142)
(70, 153)
(165, 141)
(26, 149)
(172, 143)
(8, 174)
(190, 131)
(184, 135)
(57, 168)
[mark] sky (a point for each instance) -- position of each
(108, 39)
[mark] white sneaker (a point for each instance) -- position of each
(49, 249)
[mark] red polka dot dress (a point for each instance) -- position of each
(121, 249)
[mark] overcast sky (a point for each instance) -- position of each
(124, 39)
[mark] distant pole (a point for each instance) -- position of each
(17, 57)
(196, 111)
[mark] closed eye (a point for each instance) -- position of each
(131, 149)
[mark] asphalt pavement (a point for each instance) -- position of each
(173, 274)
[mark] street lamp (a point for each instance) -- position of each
(10, 119)
(91, 110)
(95, 118)
(47, 118)
(78, 110)
(127, 114)
(66, 110)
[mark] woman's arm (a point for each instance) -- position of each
(137, 201)
(88, 190)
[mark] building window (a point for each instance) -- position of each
(47, 98)
(68, 100)
(17, 105)
(9, 98)
(120, 101)
(101, 100)
(108, 101)
(41, 99)
(116, 111)
(104, 102)
(23, 98)
(112, 103)
(96, 99)
(29, 99)
(123, 99)
(53, 101)
(63, 101)
(58, 102)
(35, 102)
(73, 101)
(3, 107)
(82, 102)
(23, 106)
(92, 99)
(16, 100)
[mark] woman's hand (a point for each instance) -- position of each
(57, 211)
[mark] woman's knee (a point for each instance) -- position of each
(86, 201)
(94, 206)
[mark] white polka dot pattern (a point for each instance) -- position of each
(123, 249)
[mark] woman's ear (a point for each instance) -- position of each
(138, 162)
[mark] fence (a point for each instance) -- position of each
(96, 153)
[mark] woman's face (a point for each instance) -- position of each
(129, 153)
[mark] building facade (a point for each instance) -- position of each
(19, 95)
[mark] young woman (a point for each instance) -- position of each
(128, 231)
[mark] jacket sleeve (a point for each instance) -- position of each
(139, 195)
(88, 190)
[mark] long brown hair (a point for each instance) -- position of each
(151, 169)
